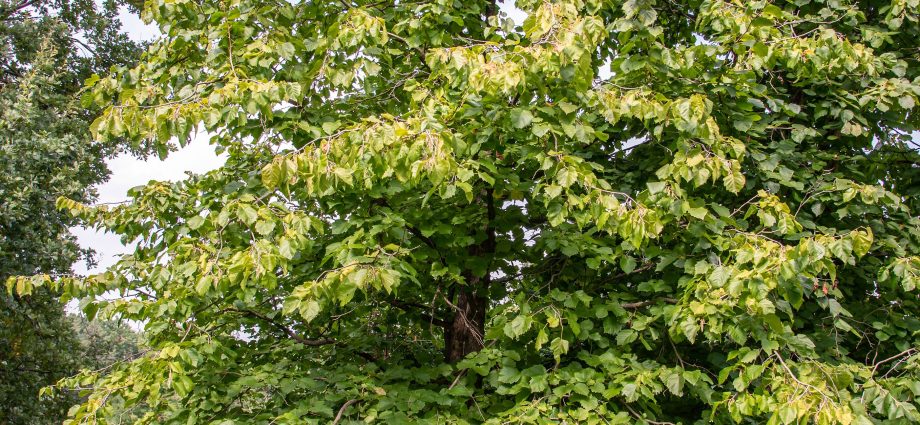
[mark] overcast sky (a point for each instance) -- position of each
(127, 171)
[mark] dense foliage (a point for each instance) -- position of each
(618, 212)
(46, 151)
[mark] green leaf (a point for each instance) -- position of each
(518, 326)
(862, 242)
(719, 276)
(195, 222)
(344, 175)
(627, 264)
(675, 383)
(655, 187)
(309, 310)
(787, 414)
(521, 118)
(567, 107)
(330, 127)
(272, 175)
(698, 212)
(734, 180)
(247, 214)
(542, 339)
(265, 227)
(559, 347)
(204, 284)
(540, 129)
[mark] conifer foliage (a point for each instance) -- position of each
(641, 211)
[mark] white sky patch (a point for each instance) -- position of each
(136, 29)
(511, 9)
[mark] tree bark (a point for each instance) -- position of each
(464, 333)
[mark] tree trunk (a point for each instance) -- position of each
(464, 332)
(463, 335)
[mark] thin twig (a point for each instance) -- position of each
(903, 353)
(338, 416)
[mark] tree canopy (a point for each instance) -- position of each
(47, 50)
(630, 211)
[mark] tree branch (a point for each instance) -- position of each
(903, 353)
(640, 304)
(507, 278)
(338, 416)
(415, 231)
(286, 330)
(405, 306)
(6, 14)
(428, 241)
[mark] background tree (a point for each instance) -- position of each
(104, 342)
(47, 50)
(619, 212)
